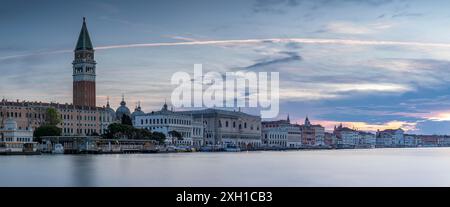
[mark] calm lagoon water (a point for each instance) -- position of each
(372, 167)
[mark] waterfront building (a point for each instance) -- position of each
(166, 121)
(275, 137)
(223, 127)
(330, 139)
(366, 140)
(74, 120)
(281, 134)
(312, 135)
(410, 140)
(390, 138)
(10, 133)
(294, 136)
(14, 140)
(352, 138)
(444, 141)
(319, 133)
(347, 138)
(429, 140)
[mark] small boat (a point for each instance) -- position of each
(211, 148)
(232, 148)
(181, 149)
(167, 149)
(58, 149)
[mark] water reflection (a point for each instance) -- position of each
(377, 167)
(82, 170)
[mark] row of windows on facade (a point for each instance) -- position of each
(19, 107)
(19, 128)
(195, 131)
(65, 124)
(275, 136)
(84, 55)
(234, 125)
(255, 144)
(79, 111)
(42, 116)
(45, 109)
(80, 69)
(184, 142)
(19, 139)
(85, 118)
(19, 115)
(165, 121)
(277, 142)
(211, 135)
(79, 124)
(79, 131)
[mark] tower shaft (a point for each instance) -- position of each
(84, 70)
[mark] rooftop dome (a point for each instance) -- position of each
(122, 110)
(164, 108)
(137, 111)
(109, 110)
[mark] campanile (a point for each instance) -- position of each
(84, 70)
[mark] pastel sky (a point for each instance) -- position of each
(370, 64)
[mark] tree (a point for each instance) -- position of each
(126, 120)
(175, 135)
(46, 130)
(117, 131)
(52, 117)
(158, 136)
(123, 131)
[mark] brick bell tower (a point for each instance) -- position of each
(84, 70)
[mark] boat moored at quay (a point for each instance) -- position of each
(95, 145)
(18, 148)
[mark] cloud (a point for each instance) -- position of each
(351, 42)
(371, 127)
(439, 116)
(433, 127)
(293, 45)
(436, 115)
(329, 91)
(355, 29)
(291, 56)
(268, 5)
(106, 7)
(427, 73)
(273, 6)
(407, 14)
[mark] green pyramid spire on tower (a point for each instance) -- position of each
(84, 41)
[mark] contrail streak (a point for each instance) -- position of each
(255, 41)
(282, 40)
(35, 54)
